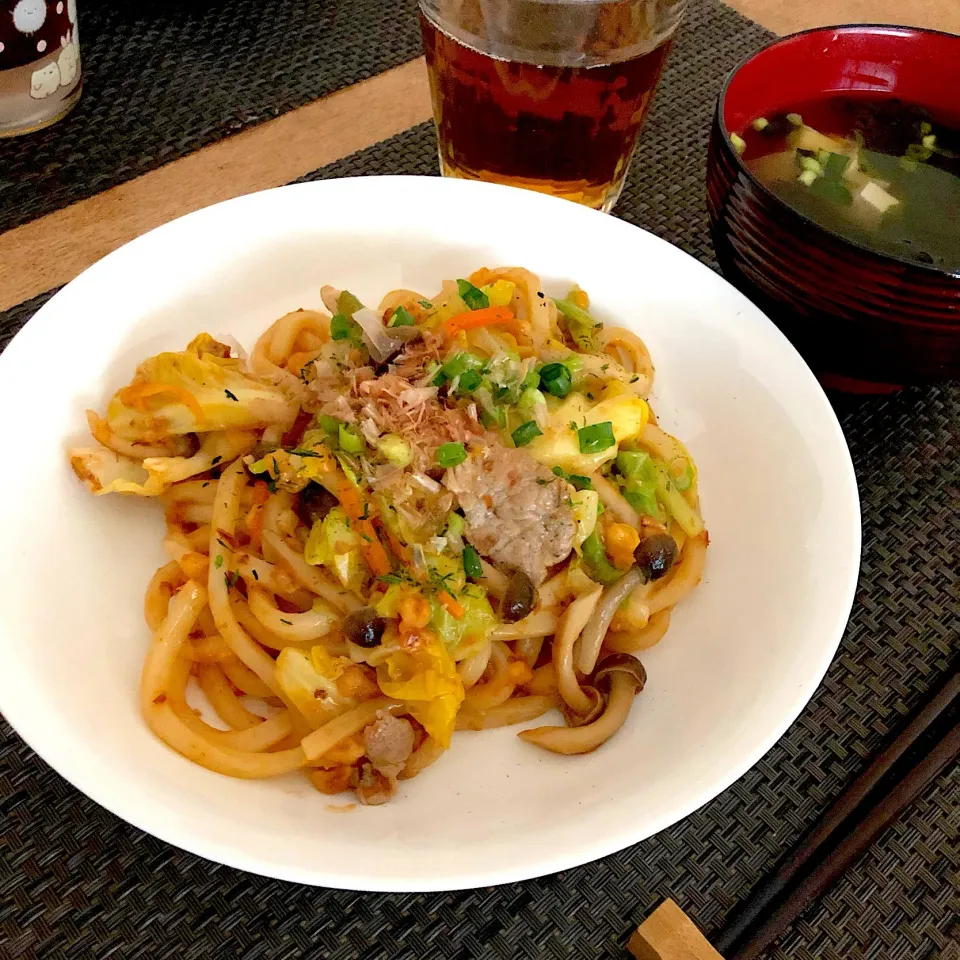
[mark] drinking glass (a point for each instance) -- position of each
(40, 78)
(545, 94)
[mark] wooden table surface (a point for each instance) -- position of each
(281, 150)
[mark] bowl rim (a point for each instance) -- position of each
(868, 28)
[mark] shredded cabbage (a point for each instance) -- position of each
(472, 628)
(584, 503)
(309, 682)
(426, 679)
(334, 544)
(175, 393)
(215, 448)
(559, 445)
(292, 470)
(104, 471)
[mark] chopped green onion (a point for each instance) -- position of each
(597, 563)
(832, 190)
(456, 366)
(530, 401)
(761, 123)
(808, 163)
(342, 327)
(493, 417)
(576, 480)
(472, 566)
(455, 525)
(596, 438)
(530, 381)
(426, 304)
(633, 464)
(925, 128)
(795, 119)
(469, 381)
(526, 432)
(930, 141)
(450, 454)
(807, 177)
(642, 496)
(472, 296)
(835, 166)
(555, 379)
(350, 440)
(348, 304)
(328, 424)
(739, 144)
(401, 318)
(676, 505)
(579, 323)
(491, 414)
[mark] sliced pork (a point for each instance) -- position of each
(518, 513)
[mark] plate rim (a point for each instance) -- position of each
(466, 877)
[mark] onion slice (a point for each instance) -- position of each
(382, 342)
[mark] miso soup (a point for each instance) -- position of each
(878, 171)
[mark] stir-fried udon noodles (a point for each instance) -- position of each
(450, 513)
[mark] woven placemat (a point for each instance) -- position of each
(165, 77)
(77, 883)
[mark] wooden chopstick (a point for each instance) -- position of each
(929, 742)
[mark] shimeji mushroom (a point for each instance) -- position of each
(614, 684)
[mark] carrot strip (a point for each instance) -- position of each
(256, 515)
(372, 548)
(453, 606)
(400, 550)
(137, 392)
(486, 317)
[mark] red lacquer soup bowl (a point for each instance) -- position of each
(860, 318)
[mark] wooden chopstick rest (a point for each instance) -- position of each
(669, 934)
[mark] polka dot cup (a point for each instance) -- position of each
(40, 77)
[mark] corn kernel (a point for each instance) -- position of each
(621, 541)
(414, 611)
(519, 672)
(347, 751)
(332, 781)
(357, 683)
(195, 566)
(580, 298)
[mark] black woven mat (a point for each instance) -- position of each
(77, 883)
(165, 77)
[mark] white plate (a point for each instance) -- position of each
(744, 653)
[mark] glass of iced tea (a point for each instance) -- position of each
(545, 94)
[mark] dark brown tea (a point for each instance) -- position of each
(569, 131)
